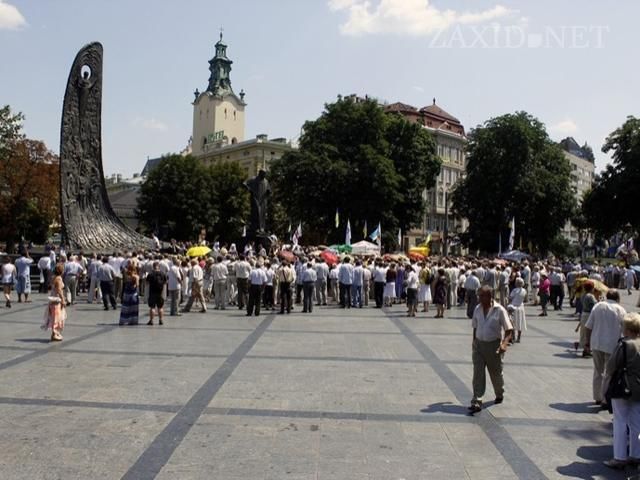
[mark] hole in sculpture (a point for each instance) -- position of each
(85, 71)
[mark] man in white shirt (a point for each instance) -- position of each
(604, 329)
(23, 276)
(322, 272)
(492, 331)
(366, 284)
(173, 286)
(196, 279)
(379, 281)
(257, 281)
(72, 270)
(286, 276)
(243, 269)
(345, 280)
(471, 286)
(557, 280)
(309, 278)
(219, 273)
(116, 262)
(356, 286)
(94, 282)
(44, 264)
(268, 295)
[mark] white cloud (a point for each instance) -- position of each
(413, 17)
(566, 127)
(150, 124)
(10, 17)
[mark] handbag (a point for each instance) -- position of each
(619, 384)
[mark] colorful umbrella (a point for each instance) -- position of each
(329, 257)
(200, 251)
(287, 255)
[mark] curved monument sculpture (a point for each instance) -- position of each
(88, 221)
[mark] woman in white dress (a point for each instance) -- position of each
(517, 299)
(424, 293)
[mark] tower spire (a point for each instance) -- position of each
(220, 68)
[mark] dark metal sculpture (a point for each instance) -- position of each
(260, 191)
(88, 221)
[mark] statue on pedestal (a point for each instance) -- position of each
(260, 191)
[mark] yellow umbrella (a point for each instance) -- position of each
(198, 251)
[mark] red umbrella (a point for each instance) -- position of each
(287, 255)
(329, 257)
(418, 257)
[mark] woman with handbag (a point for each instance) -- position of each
(56, 313)
(622, 387)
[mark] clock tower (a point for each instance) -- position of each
(218, 113)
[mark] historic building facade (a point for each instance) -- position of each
(582, 176)
(219, 123)
(451, 141)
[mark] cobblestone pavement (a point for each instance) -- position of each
(339, 394)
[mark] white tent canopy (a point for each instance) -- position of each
(365, 248)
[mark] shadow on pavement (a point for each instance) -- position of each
(32, 340)
(583, 407)
(446, 407)
(593, 467)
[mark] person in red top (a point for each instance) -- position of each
(544, 292)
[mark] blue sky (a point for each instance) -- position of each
(568, 62)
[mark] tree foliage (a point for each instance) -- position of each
(514, 171)
(370, 165)
(181, 196)
(610, 205)
(29, 174)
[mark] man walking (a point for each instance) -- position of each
(603, 329)
(156, 280)
(23, 276)
(105, 277)
(174, 283)
(492, 331)
(94, 282)
(196, 279)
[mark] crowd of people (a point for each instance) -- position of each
(492, 292)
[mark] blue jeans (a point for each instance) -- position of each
(356, 295)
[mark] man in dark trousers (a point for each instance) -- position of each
(286, 276)
(157, 281)
(257, 281)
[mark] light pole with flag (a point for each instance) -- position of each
(512, 234)
(347, 237)
(376, 235)
(297, 234)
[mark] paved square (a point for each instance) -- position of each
(357, 394)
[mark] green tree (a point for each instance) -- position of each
(28, 178)
(515, 171)
(181, 196)
(231, 200)
(10, 130)
(177, 198)
(610, 205)
(370, 165)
